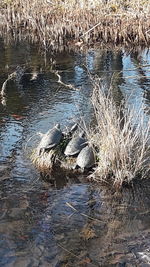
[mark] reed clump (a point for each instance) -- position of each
(59, 22)
(121, 137)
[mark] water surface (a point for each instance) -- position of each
(38, 225)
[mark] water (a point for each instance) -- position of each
(66, 221)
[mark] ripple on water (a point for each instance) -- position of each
(67, 221)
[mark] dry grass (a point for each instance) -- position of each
(43, 162)
(47, 161)
(56, 22)
(122, 138)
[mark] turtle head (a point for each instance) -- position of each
(74, 128)
(57, 126)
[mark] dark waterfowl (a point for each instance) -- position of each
(86, 158)
(75, 145)
(51, 139)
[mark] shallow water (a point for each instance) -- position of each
(66, 221)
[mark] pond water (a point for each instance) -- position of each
(66, 221)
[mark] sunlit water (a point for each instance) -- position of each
(66, 221)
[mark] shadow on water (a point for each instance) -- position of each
(66, 220)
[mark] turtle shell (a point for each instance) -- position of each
(75, 145)
(51, 138)
(86, 158)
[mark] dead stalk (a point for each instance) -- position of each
(57, 22)
(122, 140)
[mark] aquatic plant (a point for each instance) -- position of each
(53, 23)
(121, 136)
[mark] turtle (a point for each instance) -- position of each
(86, 158)
(75, 145)
(51, 139)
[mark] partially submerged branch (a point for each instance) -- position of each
(3, 90)
(60, 81)
(4, 86)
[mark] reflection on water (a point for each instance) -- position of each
(66, 221)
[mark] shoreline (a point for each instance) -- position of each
(64, 25)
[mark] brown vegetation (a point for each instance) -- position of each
(48, 161)
(122, 138)
(60, 22)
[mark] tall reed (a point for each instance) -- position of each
(122, 138)
(58, 22)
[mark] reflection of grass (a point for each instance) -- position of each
(122, 139)
(52, 22)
